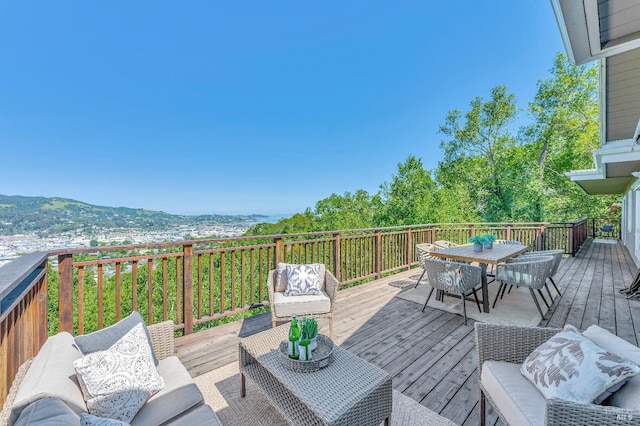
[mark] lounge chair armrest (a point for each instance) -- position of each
(507, 342)
(162, 339)
(331, 285)
(560, 412)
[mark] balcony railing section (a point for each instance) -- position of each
(23, 314)
(195, 282)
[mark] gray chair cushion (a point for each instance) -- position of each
(516, 397)
(47, 412)
(628, 396)
(103, 339)
(201, 416)
(285, 306)
(51, 375)
(179, 394)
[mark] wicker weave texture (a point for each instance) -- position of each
(513, 344)
(350, 391)
(162, 339)
(11, 396)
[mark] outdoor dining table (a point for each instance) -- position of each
(500, 253)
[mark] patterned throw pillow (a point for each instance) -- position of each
(302, 279)
(571, 367)
(118, 381)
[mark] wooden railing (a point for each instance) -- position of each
(23, 314)
(195, 282)
(604, 228)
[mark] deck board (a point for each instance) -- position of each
(431, 355)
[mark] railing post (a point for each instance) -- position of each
(409, 248)
(187, 281)
(336, 255)
(378, 254)
(508, 231)
(540, 239)
(65, 293)
(277, 258)
(571, 248)
(472, 230)
(430, 238)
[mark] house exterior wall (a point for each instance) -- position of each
(631, 221)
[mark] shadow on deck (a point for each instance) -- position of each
(431, 355)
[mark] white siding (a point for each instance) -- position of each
(631, 221)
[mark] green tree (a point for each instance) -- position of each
(564, 132)
(348, 211)
(410, 197)
(478, 152)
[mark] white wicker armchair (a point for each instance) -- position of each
(514, 399)
(320, 306)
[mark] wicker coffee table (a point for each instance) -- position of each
(349, 391)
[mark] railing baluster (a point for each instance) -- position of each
(188, 288)
(222, 276)
(242, 271)
(179, 308)
(200, 286)
(211, 284)
(134, 285)
(100, 299)
(80, 300)
(165, 289)
(252, 271)
(150, 291)
(260, 277)
(117, 295)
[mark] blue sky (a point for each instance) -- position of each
(246, 106)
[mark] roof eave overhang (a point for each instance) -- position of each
(579, 26)
(608, 161)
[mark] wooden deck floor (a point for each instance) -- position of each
(431, 355)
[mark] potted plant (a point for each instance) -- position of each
(489, 239)
(311, 330)
(478, 242)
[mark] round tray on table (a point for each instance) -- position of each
(322, 356)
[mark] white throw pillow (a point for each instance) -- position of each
(302, 279)
(118, 381)
(571, 367)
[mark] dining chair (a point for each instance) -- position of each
(557, 259)
(423, 251)
(445, 244)
(510, 242)
(453, 277)
(531, 273)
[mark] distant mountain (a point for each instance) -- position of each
(42, 215)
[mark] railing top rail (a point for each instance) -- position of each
(14, 273)
(415, 227)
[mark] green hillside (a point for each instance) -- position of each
(42, 215)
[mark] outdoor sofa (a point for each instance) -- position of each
(46, 389)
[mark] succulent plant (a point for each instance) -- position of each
(311, 328)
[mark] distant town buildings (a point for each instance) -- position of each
(12, 246)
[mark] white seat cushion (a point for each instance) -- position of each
(179, 394)
(516, 397)
(286, 306)
(628, 396)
